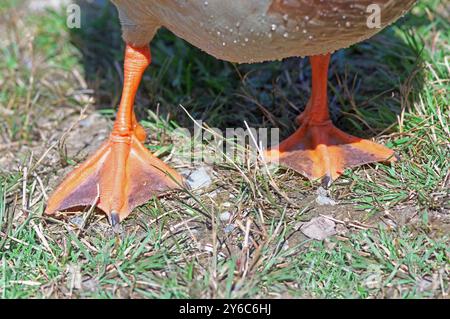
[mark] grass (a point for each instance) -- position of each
(392, 221)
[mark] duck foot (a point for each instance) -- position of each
(318, 149)
(324, 151)
(120, 176)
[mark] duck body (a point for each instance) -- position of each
(260, 30)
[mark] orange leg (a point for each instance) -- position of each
(122, 174)
(318, 148)
(139, 131)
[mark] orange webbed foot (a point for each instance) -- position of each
(318, 148)
(323, 150)
(120, 176)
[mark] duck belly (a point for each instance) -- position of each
(261, 30)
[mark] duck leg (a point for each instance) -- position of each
(318, 149)
(122, 174)
(138, 130)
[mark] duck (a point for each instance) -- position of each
(122, 174)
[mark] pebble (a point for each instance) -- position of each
(319, 228)
(323, 197)
(199, 179)
(225, 216)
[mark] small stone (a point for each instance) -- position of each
(319, 228)
(199, 179)
(323, 197)
(225, 216)
(229, 228)
(77, 220)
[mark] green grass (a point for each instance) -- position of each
(393, 221)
